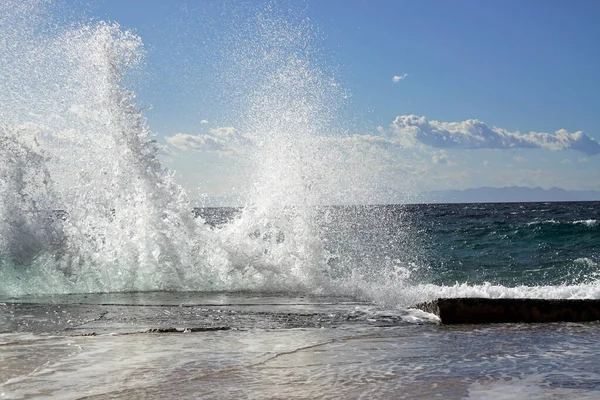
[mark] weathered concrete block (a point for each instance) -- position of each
(486, 311)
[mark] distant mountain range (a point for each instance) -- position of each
(508, 195)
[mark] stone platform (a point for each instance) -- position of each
(486, 311)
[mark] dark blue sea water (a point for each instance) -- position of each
(511, 243)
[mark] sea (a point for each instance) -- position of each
(115, 284)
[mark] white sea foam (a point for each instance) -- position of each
(402, 294)
(548, 221)
(586, 261)
(588, 222)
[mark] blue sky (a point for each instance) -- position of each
(514, 66)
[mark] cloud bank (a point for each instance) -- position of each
(473, 134)
(409, 131)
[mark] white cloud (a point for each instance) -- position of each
(398, 78)
(223, 139)
(225, 132)
(203, 122)
(473, 134)
(188, 142)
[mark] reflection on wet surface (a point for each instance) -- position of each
(280, 347)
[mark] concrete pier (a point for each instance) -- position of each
(487, 311)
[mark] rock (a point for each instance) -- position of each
(486, 311)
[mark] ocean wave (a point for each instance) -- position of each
(426, 292)
(588, 223)
(548, 221)
(588, 262)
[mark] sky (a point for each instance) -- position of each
(455, 95)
